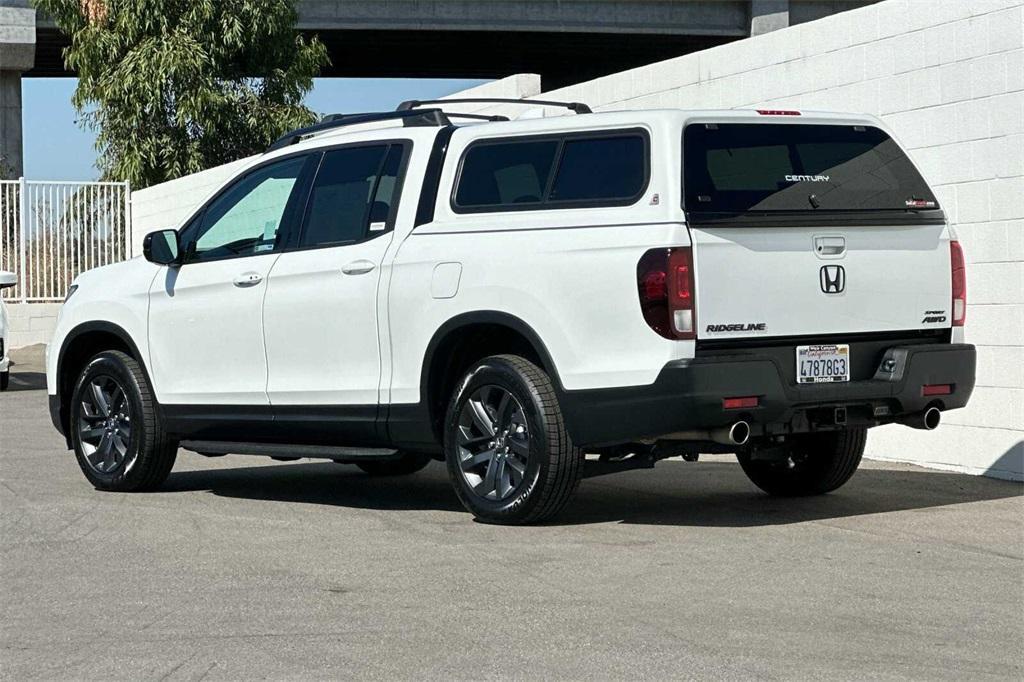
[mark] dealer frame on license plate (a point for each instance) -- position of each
(823, 364)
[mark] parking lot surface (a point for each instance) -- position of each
(242, 568)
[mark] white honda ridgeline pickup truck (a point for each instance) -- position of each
(510, 296)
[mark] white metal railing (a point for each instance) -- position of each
(51, 231)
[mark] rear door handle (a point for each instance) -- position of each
(248, 279)
(358, 267)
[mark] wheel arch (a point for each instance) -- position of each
(470, 337)
(79, 345)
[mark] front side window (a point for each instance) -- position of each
(553, 172)
(352, 195)
(246, 219)
(774, 167)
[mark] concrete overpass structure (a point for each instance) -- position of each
(565, 41)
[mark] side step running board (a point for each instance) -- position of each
(216, 447)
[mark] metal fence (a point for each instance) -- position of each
(51, 231)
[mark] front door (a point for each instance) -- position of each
(206, 315)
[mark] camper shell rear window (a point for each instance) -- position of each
(766, 169)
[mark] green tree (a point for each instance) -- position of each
(176, 86)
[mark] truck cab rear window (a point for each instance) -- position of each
(741, 168)
(553, 172)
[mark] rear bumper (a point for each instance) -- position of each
(687, 395)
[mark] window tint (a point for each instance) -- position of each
(506, 173)
(513, 174)
(734, 167)
(247, 218)
(600, 168)
(341, 200)
(386, 196)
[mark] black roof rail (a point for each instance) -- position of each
(478, 117)
(577, 107)
(419, 117)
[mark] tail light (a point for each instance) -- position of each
(958, 277)
(667, 294)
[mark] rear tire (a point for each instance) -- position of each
(5, 380)
(403, 465)
(115, 426)
(507, 450)
(817, 464)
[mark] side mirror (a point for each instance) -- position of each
(161, 247)
(8, 279)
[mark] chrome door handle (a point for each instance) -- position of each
(358, 267)
(248, 279)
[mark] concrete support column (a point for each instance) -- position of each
(768, 15)
(11, 162)
(17, 55)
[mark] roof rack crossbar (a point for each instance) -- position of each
(418, 117)
(577, 107)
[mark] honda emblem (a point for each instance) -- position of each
(833, 279)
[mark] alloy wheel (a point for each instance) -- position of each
(105, 429)
(493, 443)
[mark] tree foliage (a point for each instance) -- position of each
(176, 86)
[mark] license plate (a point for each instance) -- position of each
(822, 364)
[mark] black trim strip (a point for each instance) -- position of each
(285, 450)
(750, 342)
(432, 177)
(699, 219)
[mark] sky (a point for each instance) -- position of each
(57, 148)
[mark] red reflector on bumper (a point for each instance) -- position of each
(936, 389)
(739, 403)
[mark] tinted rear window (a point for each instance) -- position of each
(517, 174)
(740, 167)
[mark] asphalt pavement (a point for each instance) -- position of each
(242, 568)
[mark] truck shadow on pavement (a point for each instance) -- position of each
(27, 381)
(713, 494)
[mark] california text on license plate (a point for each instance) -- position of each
(822, 364)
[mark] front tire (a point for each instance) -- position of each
(507, 450)
(816, 464)
(404, 464)
(5, 380)
(115, 427)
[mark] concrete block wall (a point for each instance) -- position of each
(31, 323)
(948, 77)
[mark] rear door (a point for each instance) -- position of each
(811, 229)
(320, 312)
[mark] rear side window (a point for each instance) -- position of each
(740, 167)
(608, 169)
(352, 195)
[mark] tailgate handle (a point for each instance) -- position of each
(829, 246)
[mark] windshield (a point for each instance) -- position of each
(765, 167)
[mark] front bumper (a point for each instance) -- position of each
(687, 395)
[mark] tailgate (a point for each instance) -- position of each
(804, 281)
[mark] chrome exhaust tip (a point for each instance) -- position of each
(739, 433)
(927, 421)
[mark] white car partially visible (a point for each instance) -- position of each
(7, 280)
